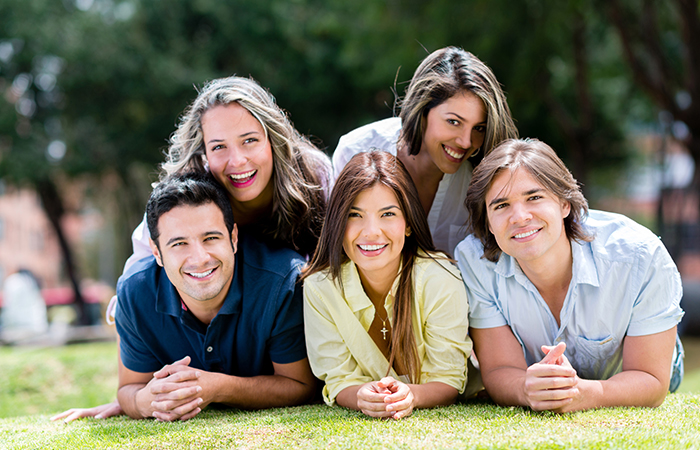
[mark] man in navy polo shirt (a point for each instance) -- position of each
(198, 326)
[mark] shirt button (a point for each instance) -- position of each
(210, 349)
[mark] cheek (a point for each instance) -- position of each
(477, 139)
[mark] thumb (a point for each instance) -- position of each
(552, 354)
(165, 371)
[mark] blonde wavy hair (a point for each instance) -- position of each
(301, 172)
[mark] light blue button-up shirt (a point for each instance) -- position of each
(623, 283)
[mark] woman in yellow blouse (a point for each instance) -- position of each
(385, 315)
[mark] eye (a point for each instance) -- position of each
(535, 197)
(211, 238)
(178, 244)
(480, 128)
(500, 206)
(453, 122)
(250, 140)
(353, 214)
(216, 147)
(389, 214)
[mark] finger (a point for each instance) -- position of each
(367, 394)
(403, 413)
(178, 410)
(549, 370)
(61, 415)
(170, 368)
(190, 415)
(113, 410)
(171, 384)
(387, 382)
(552, 353)
(400, 391)
(377, 407)
(551, 405)
(551, 395)
(178, 394)
(377, 414)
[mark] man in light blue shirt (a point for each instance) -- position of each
(568, 310)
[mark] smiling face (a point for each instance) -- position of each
(526, 220)
(375, 233)
(454, 130)
(239, 154)
(197, 252)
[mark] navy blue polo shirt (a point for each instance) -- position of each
(260, 321)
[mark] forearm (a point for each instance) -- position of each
(348, 397)
(627, 388)
(132, 401)
(506, 386)
(433, 394)
(259, 392)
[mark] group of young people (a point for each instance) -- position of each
(252, 278)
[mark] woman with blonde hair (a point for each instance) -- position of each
(385, 315)
(454, 108)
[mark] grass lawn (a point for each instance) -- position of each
(36, 383)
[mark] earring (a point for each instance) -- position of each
(476, 152)
(408, 231)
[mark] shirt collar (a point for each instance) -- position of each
(355, 295)
(583, 268)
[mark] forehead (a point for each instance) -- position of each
(378, 195)
(189, 221)
(508, 182)
(229, 116)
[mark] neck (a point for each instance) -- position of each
(377, 284)
(551, 274)
(424, 173)
(253, 210)
(206, 310)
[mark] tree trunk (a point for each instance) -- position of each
(53, 205)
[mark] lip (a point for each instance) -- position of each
(372, 253)
(206, 278)
(450, 151)
(529, 234)
(245, 182)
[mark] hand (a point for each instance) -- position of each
(98, 412)
(401, 400)
(551, 384)
(175, 392)
(370, 399)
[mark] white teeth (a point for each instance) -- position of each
(201, 274)
(453, 153)
(522, 235)
(371, 248)
(240, 176)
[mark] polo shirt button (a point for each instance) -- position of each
(210, 349)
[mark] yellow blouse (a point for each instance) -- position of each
(342, 353)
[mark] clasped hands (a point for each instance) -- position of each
(386, 398)
(552, 384)
(175, 392)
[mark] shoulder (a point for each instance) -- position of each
(618, 237)
(435, 264)
(471, 251)
(378, 134)
(142, 274)
(257, 256)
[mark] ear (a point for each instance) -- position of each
(234, 238)
(565, 209)
(156, 252)
(408, 231)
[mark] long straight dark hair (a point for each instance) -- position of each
(363, 172)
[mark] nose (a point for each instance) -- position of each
(464, 139)
(371, 228)
(519, 213)
(198, 254)
(236, 158)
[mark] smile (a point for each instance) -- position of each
(452, 153)
(371, 248)
(240, 178)
(526, 234)
(200, 274)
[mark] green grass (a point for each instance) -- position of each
(34, 384)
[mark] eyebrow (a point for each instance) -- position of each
(204, 235)
(386, 208)
(524, 194)
(240, 136)
(464, 120)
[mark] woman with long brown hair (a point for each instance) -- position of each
(385, 315)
